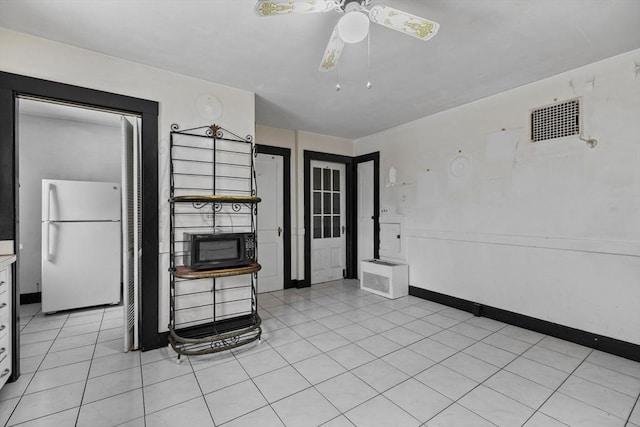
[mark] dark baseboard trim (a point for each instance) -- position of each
(163, 339)
(607, 344)
(30, 298)
(303, 283)
(293, 283)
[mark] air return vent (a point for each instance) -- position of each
(555, 121)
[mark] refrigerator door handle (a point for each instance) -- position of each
(47, 238)
(47, 202)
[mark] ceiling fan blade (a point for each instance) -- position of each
(333, 51)
(283, 7)
(395, 19)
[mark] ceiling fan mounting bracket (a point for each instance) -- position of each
(349, 5)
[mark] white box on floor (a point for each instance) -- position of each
(388, 279)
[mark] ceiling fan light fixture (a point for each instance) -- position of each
(353, 27)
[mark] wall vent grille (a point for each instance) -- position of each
(555, 121)
(375, 282)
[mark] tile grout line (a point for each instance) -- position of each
(144, 406)
(635, 405)
(39, 364)
(481, 382)
(558, 388)
(353, 299)
(381, 357)
(201, 393)
(95, 345)
(406, 346)
(347, 369)
(237, 359)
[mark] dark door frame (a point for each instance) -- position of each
(285, 153)
(375, 158)
(14, 85)
(350, 208)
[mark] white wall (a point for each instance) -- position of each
(177, 95)
(52, 148)
(549, 229)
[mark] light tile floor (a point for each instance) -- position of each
(331, 355)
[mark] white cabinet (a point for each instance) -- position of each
(388, 279)
(393, 242)
(6, 328)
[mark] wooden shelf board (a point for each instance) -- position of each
(215, 198)
(184, 272)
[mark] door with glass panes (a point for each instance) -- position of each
(328, 242)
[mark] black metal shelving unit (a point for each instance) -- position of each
(212, 184)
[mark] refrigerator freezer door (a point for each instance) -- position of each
(80, 200)
(80, 264)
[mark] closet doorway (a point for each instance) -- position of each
(12, 86)
(74, 256)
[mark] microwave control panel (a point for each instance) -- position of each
(250, 246)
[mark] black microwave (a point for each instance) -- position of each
(219, 250)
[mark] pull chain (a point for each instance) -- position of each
(369, 60)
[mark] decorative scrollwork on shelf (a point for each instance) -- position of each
(207, 199)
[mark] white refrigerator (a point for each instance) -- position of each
(81, 250)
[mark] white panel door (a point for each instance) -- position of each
(328, 242)
(365, 212)
(269, 177)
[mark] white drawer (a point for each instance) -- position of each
(5, 369)
(4, 281)
(4, 347)
(4, 333)
(5, 315)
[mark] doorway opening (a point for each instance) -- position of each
(78, 221)
(368, 207)
(344, 252)
(351, 207)
(273, 180)
(13, 86)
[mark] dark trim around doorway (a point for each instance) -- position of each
(14, 85)
(375, 158)
(350, 196)
(286, 213)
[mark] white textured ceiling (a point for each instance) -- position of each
(483, 47)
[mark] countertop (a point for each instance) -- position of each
(6, 260)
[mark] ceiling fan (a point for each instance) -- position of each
(353, 26)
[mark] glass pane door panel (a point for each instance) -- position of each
(317, 182)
